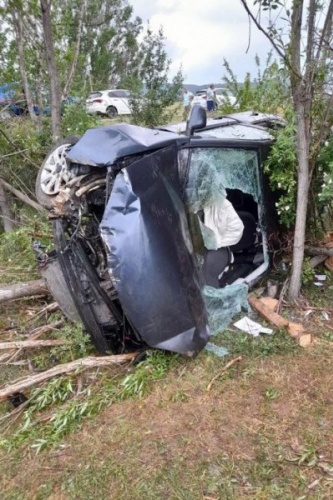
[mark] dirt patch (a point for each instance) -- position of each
(261, 409)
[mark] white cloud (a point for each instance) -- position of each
(201, 33)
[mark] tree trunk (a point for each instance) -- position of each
(19, 290)
(76, 53)
(19, 36)
(303, 147)
(52, 69)
(6, 215)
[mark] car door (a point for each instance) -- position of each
(119, 99)
(150, 255)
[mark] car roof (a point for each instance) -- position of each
(239, 126)
(109, 90)
(104, 146)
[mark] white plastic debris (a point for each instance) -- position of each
(320, 277)
(325, 315)
(249, 326)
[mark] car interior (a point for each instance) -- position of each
(227, 264)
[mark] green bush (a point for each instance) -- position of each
(76, 120)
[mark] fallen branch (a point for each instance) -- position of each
(45, 329)
(319, 251)
(6, 356)
(21, 196)
(89, 362)
(227, 366)
(20, 290)
(316, 260)
(54, 306)
(30, 344)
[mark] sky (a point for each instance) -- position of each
(201, 33)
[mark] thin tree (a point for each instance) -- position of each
(307, 57)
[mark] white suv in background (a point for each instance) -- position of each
(109, 102)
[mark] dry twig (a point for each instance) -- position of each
(227, 366)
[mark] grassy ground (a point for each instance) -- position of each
(262, 431)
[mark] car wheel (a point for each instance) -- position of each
(111, 111)
(53, 174)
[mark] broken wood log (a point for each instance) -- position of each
(316, 260)
(295, 330)
(20, 290)
(31, 344)
(267, 313)
(319, 251)
(89, 362)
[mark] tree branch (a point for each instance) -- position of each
(73, 366)
(21, 196)
(267, 35)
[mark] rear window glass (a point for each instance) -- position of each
(119, 93)
(94, 95)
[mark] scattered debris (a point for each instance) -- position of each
(218, 350)
(247, 325)
(320, 277)
(227, 366)
(295, 330)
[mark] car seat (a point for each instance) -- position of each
(249, 234)
(237, 198)
(215, 264)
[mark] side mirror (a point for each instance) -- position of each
(197, 119)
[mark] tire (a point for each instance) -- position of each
(52, 173)
(111, 112)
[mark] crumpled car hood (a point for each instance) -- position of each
(101, 147)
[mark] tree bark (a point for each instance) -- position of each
(73, 366)
(19, 37)
(19, 290)
(31, 344)
(328, 252)
(303, 147)
(76, 53)
(52, 70)
(6, 214)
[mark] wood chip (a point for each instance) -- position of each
(270, 302)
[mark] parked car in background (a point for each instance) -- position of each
(200, 98)
(109, 102)
(222, 97)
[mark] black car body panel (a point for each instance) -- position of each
(101, 147)
(150, 254)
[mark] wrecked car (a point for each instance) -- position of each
(134, 259)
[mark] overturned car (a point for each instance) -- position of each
(141, 255)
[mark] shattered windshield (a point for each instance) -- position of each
(212, 170)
